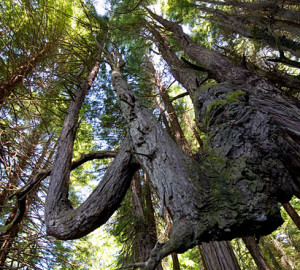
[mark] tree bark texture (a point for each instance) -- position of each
(65, 223)
(204, 204)
(62, 221)
(256, 253)
(258, 154)
(262, 124)
(218, 255)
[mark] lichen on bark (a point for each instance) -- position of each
(248, 137)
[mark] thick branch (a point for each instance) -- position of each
(65, 223)
(183, 73)
(218, 66)
(286, 61)
(23, 192)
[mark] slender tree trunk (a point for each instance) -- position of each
(256, 253)
(292, 213)
(287, 264)
(29, 145)
(174, 255)
(145, 230)
(193, 128)
(266, 247)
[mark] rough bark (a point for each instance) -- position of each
(219, 256)
(256, 253)
(247, 119)
(204, 206)
(259, 151)
(215, 64)
(65, 223)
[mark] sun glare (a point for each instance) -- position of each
(101, 6)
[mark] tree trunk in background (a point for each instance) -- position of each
(145, 229)
(292, 213)
(29, 145)
(257, 28)
(266, 247)
(284, 259)
(193, 128)
(219, 256)
(256, 253)
(149, 215)
(13, 222)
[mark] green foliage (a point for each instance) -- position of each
(37, 107)
(191, 260)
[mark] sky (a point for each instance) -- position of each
(101, 7)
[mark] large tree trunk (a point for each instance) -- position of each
(250, 123)
(218, 199)
(203, 206)
(217, 255)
